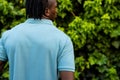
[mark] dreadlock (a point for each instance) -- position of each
(35, 8)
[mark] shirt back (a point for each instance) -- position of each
(36, 50)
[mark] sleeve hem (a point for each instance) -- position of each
(66, 69)
(3, 59)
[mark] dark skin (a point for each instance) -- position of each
(50, 13)
(2, 64)
(66, 75)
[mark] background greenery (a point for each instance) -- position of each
(94, 27)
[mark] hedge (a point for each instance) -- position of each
(94, 28)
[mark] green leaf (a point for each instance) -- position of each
(116, 44)
(105, 16)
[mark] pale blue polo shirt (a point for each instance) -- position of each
(36, 50)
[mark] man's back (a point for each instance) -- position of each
(36, 49)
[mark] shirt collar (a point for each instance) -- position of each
(39, 21)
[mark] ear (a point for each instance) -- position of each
(47, 12)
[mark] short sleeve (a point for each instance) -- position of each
(66, 57)
(3, 56)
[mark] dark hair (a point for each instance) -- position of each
(35, 8)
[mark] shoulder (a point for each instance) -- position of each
(10, 31)
(61, 34)
(64, 35)
(64, 38)
(5, 33)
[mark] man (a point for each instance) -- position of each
(36, 49)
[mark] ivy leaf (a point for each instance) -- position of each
(116, 44)
(105, 16)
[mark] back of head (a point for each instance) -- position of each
(36, 8)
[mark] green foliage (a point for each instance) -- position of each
(94, 27)
(10, 14)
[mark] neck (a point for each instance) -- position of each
(45, 17)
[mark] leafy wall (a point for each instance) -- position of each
(94, 27)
